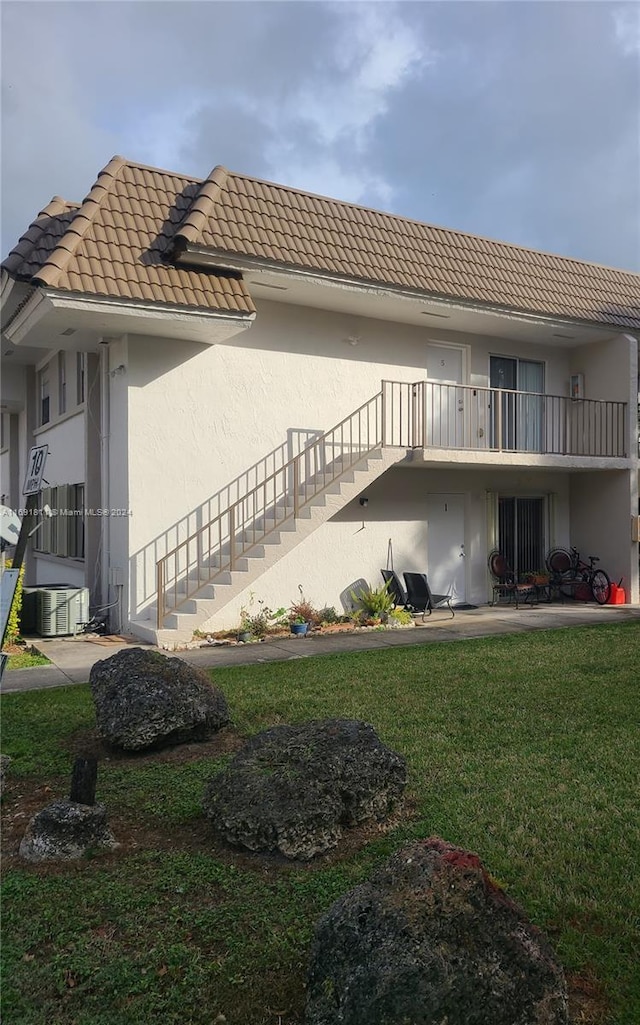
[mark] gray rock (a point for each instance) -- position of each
(293, 789)
(5, 762)
(144, 699)
(65, 830)
(432, 939)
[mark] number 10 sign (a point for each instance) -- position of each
(35, 469)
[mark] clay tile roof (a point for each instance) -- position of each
(40, 238)
(130, 239)
(113, 244)
(247, 217)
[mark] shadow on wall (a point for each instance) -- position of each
(143, 562)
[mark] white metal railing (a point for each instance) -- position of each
(427, 414)
(423, 414)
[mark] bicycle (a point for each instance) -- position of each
(575, 578)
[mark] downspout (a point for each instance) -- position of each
(105, 435)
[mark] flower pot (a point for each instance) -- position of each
(299, 629)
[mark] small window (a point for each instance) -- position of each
(62, 533)
(45, 396)
(62, 383)
(81, 375)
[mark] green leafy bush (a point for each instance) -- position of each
(374, 603)
(13, 625)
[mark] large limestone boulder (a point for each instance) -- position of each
(432, 939)
(66, 830)
(144, 699)
(293, 789)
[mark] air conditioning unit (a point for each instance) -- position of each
(62, 609)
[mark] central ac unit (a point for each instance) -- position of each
(62, 609)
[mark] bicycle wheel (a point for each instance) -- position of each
(600, 587)
(559, 561)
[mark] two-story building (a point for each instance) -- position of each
(246, 388)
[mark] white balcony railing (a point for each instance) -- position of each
(427, 414)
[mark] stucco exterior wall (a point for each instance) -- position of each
(65, 461)
(353, 545)
(597, 501)
(199, 416)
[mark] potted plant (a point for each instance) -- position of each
(298, 625)
(244, 634)
(303, 613)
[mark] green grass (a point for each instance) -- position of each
(523, 748)
(27, 659)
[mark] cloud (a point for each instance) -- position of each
(517, 121)
(626, 20)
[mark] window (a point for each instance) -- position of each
(62, 383)
(45, 395)
(81, 373)
(76, 522)
(62, 533)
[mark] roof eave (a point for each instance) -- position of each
(205, 256)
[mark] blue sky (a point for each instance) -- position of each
(516, 120)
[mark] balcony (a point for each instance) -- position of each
(430, 415)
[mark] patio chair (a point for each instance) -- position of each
(394, 587)
(505, 584)
(421, 598)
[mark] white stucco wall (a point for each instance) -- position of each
(340, 552)
(65, 461)
(199, 416)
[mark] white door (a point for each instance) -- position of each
(445, 546)
(444, 403)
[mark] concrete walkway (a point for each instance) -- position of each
(72, 658)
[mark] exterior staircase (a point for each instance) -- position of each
(191, 609)
(210, 568)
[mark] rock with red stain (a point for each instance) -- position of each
(432, 939)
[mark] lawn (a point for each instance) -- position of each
(523, 748)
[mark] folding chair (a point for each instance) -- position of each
(421, 598)
(394, 587)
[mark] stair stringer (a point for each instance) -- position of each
(179, 625)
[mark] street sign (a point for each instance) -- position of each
(35, 469)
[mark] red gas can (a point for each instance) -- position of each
(617, 596)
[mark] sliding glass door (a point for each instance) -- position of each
(517, 419)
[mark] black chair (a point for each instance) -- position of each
(394, 587)
(421, 598)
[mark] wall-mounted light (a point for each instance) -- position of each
(118, 371)
(352, 340)
(364, 502)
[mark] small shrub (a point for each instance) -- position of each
(374, 603)
(401, 616)
(13, 624)
(302, 611)
(328, 616)
(261, 621)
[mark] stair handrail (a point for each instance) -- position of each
(289, 469)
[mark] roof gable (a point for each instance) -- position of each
(117, 241)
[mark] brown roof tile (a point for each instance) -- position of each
(120, 241)
(380, 248)
(113, 244)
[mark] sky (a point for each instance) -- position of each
(514, 120)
